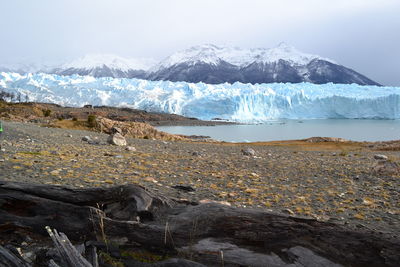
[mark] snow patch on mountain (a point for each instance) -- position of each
(213, 54)
(237, 102)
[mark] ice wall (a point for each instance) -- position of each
(238, 102)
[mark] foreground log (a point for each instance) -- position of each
(211, 234)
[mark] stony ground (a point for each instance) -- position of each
(332, 182)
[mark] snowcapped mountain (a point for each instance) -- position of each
(237, 102)
(217, 64)
(105, 66)
(214, 65)
(213, 55)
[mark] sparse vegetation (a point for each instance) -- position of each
(91, 120)
(30, 152)
(110, 260)
(143, 256)
(46, 112)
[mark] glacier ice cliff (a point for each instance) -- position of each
(237, 102)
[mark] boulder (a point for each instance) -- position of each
(117, 139)
(249, 152)
(115, 130)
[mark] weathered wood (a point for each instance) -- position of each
(209, 233)
(72, 209)
(93, 257)
(8, 259)
(68, 253)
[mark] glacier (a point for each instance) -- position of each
(239, 102)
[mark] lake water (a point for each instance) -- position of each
(356, 130)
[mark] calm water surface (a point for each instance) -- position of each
(357, 130)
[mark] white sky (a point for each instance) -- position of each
(360, 34)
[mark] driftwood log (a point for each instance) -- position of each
(210, 234)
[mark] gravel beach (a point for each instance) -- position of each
(327, 182)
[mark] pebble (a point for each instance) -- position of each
(206, 201)
(150, 179)
(279, 173)
(86, 138)
(380, 157)
(130, 148)
(289, 211)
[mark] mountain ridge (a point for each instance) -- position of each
(214, 64)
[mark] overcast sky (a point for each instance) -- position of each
(360, 34)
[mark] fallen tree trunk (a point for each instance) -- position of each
(209, 233)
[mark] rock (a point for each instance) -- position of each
(69, 135)
(130, 148)
(289, 211)
(196, 154)
(115, 130)
(116, 139)
(380, 157)
(385, 167)
(133, 129)
(86, 138)
(94, 142)
(249, 152)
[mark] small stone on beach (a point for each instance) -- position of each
(380, 157)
